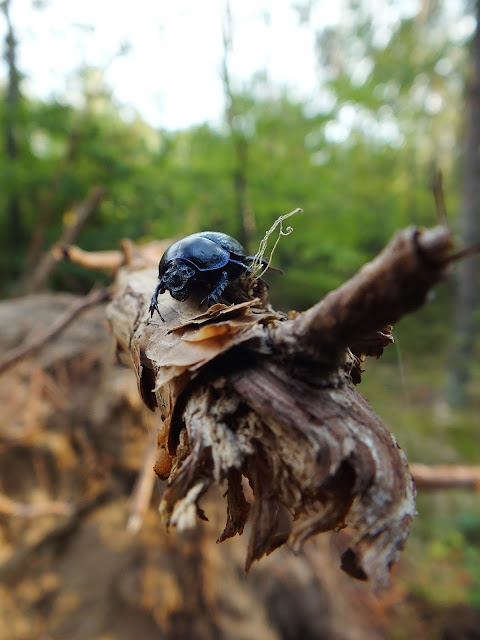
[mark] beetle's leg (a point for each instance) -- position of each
(154, 302)
(214, 295)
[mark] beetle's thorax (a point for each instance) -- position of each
(176, 279)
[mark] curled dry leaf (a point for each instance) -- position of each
(248, 394)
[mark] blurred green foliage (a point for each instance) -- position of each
(164, 184)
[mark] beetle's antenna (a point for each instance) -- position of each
(257, 262)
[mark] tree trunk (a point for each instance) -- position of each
(244, 216)
(13, 210)
(467, 279)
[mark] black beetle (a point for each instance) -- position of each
(209, 259)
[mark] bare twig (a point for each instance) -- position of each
(29, 347)
(142, 492)
(395, 283)
(128, 255)
(438, 194)
(433, 478)
(464, 253)
(94, 260)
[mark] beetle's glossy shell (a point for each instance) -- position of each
(206, 251)
(224, 240)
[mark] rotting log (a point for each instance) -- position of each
(246, 393)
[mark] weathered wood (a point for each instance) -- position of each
(247, 393)
(73, 429)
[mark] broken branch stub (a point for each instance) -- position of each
(247, 393)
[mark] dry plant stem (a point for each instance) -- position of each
(30, 347)
(257, 262)
(244, 393)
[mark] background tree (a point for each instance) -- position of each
(466, 290)
(237, 127)
(15, 229)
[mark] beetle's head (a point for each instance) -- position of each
(176, 279)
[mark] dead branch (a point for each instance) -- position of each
(94, 260)
(434, 478)
(244, 392)
(439, 197)
(129, 255)
(81, 214)
(395, 283)
(142, 493)
(47, 210)
(32, 345)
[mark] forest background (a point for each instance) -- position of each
(358, 158)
